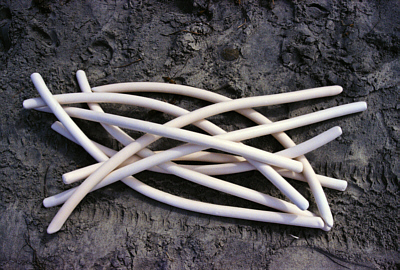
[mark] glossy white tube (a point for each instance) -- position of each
(288, 124)
(225, 211)
(225, 187)
(64, 118)
(62, 197)
(196, 140)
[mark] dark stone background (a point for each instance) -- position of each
(237, 48)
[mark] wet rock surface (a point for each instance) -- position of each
(235, 48)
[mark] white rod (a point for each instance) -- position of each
(197, 92)
(205, 208)
(65, 119)
(289, 123)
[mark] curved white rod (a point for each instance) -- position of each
(288, 124)
(258, 118)
(65, 119)
(218, 184)
(200, 93)
(225, 211)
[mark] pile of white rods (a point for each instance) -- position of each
(114, 165)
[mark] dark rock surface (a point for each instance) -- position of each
(237, 48)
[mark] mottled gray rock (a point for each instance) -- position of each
(277, 46)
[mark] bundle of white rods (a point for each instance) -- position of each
(115, 165)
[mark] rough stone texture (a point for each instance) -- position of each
(236, 48)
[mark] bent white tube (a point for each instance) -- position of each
(223, 186)
(125, 99)
(184, 203)
(64, 118)
(225, 211)
(288, 124)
